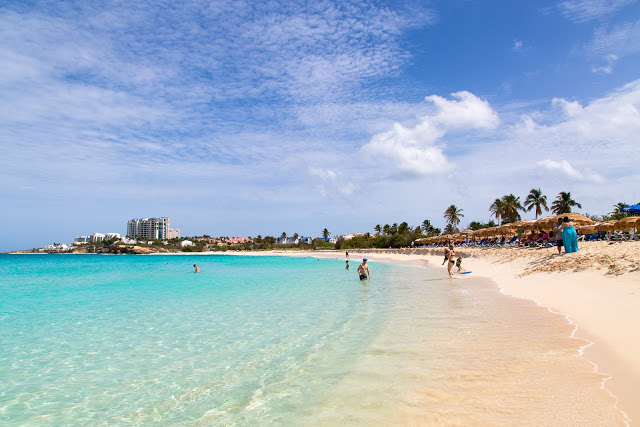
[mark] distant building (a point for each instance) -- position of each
(307, 240)
(152, 228)
(96, 237)
(287, 241)
(82, 239)
(109, 236)
(185, 243)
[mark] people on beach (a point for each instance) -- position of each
(347, 254)
(452, 255)
(347, 265)
(446, 255)
(459, 264)
(557, 229)
(197, 269)
(363, 270)
(569, 236)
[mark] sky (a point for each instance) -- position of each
(243, 118)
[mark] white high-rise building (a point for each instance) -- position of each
(151, 228)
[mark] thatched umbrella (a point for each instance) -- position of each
(525, 225)
(550, 221)
(628, 223)
(605, 226)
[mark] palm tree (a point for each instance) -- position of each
(394, 228)
(497, 209)
(295, 236)
(537, 200)
(325, 234)
(452, 215)
(617, 208)
(506, 209)
(426, 226)
(386, 229)
(403, 228)
(564, 203)
(283, 236)
(378, 228)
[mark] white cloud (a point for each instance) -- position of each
(517, 45)
(332, 181)
(587, 10)
(419, 150)
(565, 168)
(619, 41)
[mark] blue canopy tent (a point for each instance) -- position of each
(632, 209)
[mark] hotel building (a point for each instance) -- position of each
(152, 228)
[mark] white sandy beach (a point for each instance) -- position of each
(598, 289)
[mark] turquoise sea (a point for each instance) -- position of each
(142, 340)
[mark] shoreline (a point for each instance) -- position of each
(601, 305)
(596, 290)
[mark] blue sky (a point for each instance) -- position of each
(245, 118)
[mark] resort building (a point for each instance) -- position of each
(152, 228)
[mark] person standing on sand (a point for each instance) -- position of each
(197, 269)
(452, 256)
(569, 236)
(557, 230)
(363, 270)
(347, 254)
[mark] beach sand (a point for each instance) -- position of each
(597, 288)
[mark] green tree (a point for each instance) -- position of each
(564, 203)
(452, 215)
(386, 229)
(378, 228)
(295, 236)
(537, 200)
(429, 229)
(617, 208)
(325, 234)
(449, 229)
(403, 228)
(394, 228)
(506, 209)
(283, 236)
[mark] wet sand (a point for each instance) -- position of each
(597, 288)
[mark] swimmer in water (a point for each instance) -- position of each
(347, 264)
(363, 270)
(197, 269)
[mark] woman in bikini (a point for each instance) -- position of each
(452, 260)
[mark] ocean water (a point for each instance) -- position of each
(132, 340)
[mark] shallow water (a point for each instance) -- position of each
(273, 340)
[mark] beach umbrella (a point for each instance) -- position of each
(632, 209)
(524, 225)
(550, 221)
(628, 223)
(605, 226)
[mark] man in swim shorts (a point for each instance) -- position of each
(197, 269)
(557, 230)
(363, 270)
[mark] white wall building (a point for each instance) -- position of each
(151, 228)
(185, 243)
(96, 237)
